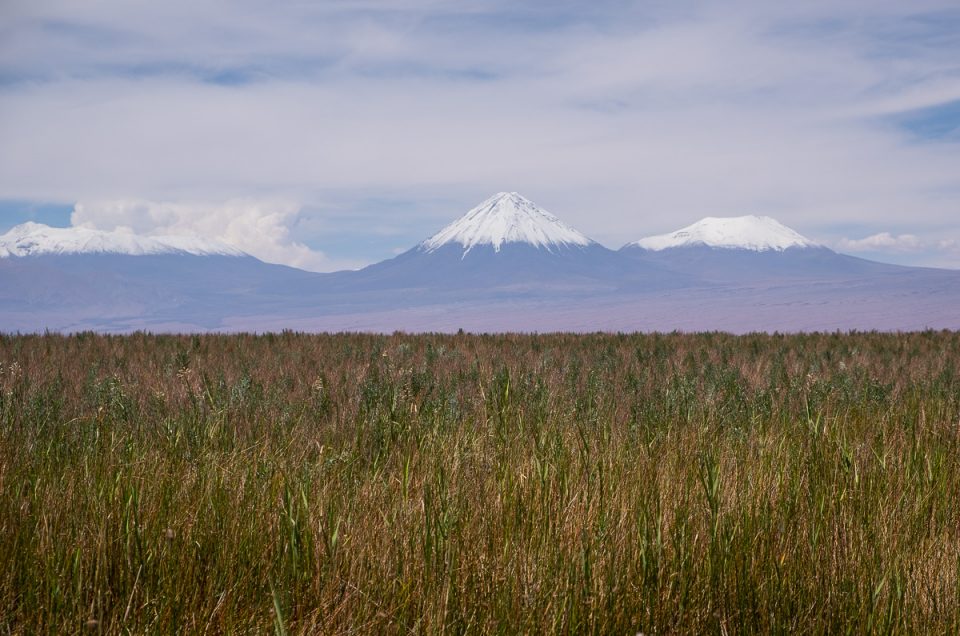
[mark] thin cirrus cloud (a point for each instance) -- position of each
(626, 119)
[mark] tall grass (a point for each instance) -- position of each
(606, 484)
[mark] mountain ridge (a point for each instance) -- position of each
(507, 267)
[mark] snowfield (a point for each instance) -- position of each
(506, 217)
(756, 233)
(36, 239)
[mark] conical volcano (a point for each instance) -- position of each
(506, 242)
(505, 218)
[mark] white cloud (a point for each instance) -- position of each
(625, 119)
(907, 249)
(260, 228)
(884, 241)
(949, 245)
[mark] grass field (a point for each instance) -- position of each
(473, 484)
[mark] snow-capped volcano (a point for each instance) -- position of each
(36, 239)
(506, 217)
(506, 242)
(755, 233)
(747, 249)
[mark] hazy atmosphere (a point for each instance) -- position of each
(335, 134)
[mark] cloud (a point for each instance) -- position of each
(625, 119)
(906, 249)
(884, 241)
(260, 228)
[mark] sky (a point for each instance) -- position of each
(333, 134)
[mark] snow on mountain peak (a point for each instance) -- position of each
(506, 217)
(756, 233)
(34, 239)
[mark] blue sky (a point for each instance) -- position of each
(337, 133)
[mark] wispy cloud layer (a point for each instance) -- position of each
(624, 118)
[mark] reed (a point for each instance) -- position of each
(607, 484)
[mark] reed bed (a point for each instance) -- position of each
(577, 484)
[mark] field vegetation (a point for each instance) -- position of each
(602, 484)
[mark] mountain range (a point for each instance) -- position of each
(506, 265)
